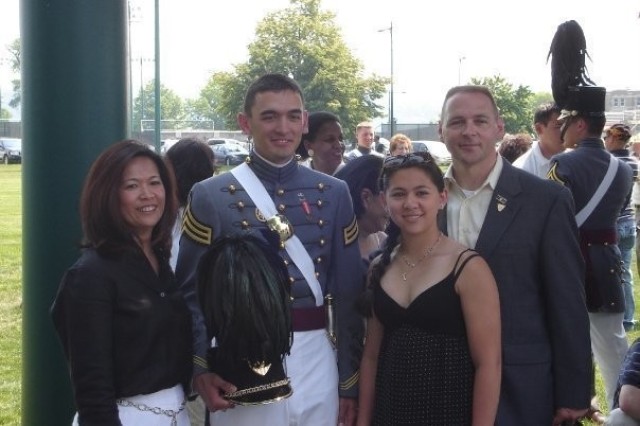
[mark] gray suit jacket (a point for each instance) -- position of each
(529, 238)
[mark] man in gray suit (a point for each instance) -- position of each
(525, 229)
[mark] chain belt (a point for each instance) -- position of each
(155, 410)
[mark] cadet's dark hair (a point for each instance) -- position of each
(105, 229)
(544, 112)
(273, 82)
(192, 161)
(360, 173)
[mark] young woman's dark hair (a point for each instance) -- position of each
(192, 161)
(103, 225)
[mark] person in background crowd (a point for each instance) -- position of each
(308, 206)
(322, 146)
(432, 354)
(616, 141)
(191, 160)
(364, 138)
(400, 144)
(361, 175)
(122, 321)
(513, 146)
(626, 401)
(520, 225)
(635, 200)
(536, 160)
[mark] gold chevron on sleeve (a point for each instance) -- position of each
(553, 175)
(195, 230)
(351, 232)
(200, 362)
(350, 382)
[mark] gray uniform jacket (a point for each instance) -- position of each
(320, 209)
(581, 170)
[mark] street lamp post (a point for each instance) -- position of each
(460, 59)
(391, 117)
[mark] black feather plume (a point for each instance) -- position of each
(568, 51)
(243, 290)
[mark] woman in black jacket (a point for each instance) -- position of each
(123, 324)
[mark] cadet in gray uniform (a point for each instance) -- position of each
(320, 211)
(583, 170)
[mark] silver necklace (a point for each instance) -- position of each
(426, 254)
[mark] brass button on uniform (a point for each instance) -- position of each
(232, 189)
(280, 192)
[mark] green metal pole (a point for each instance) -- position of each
(158, 111)
(74, 94)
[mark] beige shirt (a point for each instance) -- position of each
(466, 210)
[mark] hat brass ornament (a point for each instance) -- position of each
(244, 293)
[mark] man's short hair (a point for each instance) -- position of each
(363, 124)
(544, 112)
(272, 82)
(470, 89)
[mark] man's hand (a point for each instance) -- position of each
(211, 388)
(348, 413)
(567, 415)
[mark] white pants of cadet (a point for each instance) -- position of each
(165, 399)
(313, 371)
(609, 345)
(619, 418)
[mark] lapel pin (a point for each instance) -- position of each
(502, 202)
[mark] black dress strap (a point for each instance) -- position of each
(460, 262)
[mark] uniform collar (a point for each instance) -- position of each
(266, 170)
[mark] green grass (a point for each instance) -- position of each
(11, 297)
(10, 293)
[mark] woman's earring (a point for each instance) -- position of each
(310, 152)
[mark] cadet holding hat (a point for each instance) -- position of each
(600, 184)
(313, 214)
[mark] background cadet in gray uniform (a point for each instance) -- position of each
(319, 208)
(582, 170)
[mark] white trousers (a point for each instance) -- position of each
(166, 399)
(313, 371)
(609, 345)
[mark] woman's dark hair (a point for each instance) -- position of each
(316, 121)
(418, 160)
(102, 222)
(192, 161)
(360, 173)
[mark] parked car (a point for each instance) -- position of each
(229, 154)
(437, 149)
(218, 141)
(11, 150)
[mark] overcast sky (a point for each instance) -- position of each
(505, 37)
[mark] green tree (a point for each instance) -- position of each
(540, 98)
(171, 105)
(304, 42)
(5, 114)
(516, 104)
(15, 50)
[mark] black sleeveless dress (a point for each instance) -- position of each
(425, 373)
